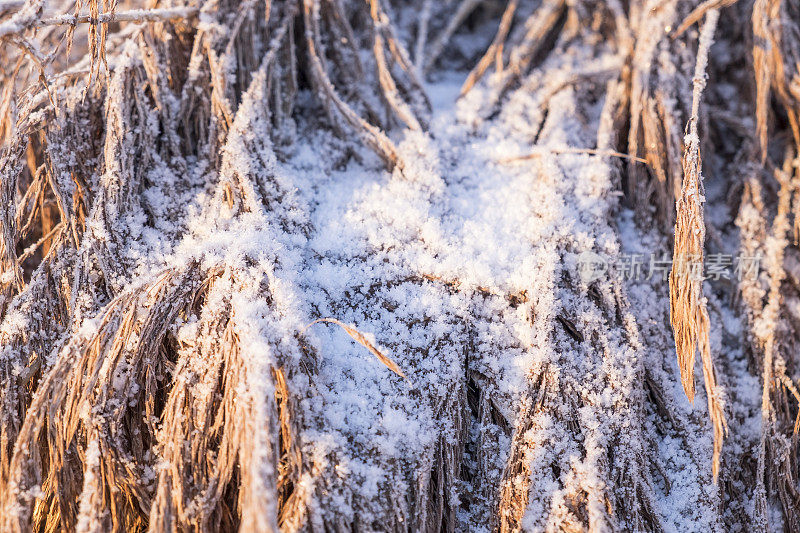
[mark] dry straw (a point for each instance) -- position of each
(688, 313)
(363, 341)
(110, 421)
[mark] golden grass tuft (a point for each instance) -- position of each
(688, 313)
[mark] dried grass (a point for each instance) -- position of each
(110, 422)
(100, 407)
(688, 313)
(363, 341)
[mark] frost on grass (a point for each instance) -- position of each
(251, 279)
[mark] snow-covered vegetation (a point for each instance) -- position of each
(399, 265)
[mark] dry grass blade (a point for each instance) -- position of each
(422, 35)
(133, 15)
(495, 51)
(763, 52)
(688, 313)
(363, 341)
(589, 151)
(390, 90)
(698, 12)
(767, 337)
(465, 8)
(371, 134)
(24, 18)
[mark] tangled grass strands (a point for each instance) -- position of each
(192, 183)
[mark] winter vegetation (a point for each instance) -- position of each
(321, 265)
